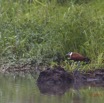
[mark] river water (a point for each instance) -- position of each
(25, 90)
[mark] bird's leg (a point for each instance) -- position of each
(76, 71)
(78, 64)
(77, 77)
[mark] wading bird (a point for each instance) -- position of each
(77, 57)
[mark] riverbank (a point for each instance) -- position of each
(31, 68)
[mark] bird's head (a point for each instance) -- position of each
(69, 55)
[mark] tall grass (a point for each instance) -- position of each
(42, 29)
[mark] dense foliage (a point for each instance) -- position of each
(43, 29)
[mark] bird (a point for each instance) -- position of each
(77, 57)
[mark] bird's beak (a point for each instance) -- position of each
(67, 55)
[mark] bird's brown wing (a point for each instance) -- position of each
(77, 56)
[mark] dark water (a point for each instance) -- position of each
(25, 90)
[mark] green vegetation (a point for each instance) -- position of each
(40, 30)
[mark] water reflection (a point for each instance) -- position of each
(54, 82)
(25, 90)
(52, 88)
(51, 82)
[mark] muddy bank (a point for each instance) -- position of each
(27, 68)
(59, 72)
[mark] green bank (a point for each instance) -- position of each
(43, 30)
